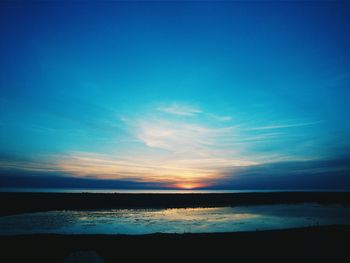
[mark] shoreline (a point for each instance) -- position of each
(16, 203)
(314, 244)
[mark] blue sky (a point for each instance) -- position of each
(176, 94)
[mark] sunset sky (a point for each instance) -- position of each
(218, 95)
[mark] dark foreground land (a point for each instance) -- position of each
(14, 203)
(316, 244)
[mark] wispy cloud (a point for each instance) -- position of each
(180, 152)
(282, 126)
(180, 109)
(169, 152)
(321, 173)
(40, 165)
(220, 118)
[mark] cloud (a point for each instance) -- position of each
(282, 126)
(198, 151)
(173, 136)
(180, 109)
(27, 179)
(220, 118)
(101, 171)
(223, 118)
(170, 169)
(326, 173)
(168, 152)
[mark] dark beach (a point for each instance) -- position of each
(14, 203)
(309, 244)
(317, 244)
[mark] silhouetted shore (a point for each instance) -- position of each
(14, 203)
(310, 244)
(315, 244)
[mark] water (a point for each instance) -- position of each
(160, 191)
(183, 220)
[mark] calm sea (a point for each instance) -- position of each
(180, 191)
(175, 220)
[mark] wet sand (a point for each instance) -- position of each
(14, 203)
(311, 244)
(315, 244)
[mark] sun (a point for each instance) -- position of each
(188, 186)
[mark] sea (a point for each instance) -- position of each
(175, 220)
(178, 191)
(172, 220)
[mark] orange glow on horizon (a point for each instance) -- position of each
(189, 186)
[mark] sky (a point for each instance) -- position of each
(217, 95)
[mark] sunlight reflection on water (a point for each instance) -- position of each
(181, 220)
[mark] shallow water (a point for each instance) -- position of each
(181, 220)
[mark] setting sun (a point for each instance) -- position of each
(189, 186)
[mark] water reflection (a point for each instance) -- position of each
(196, 220)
